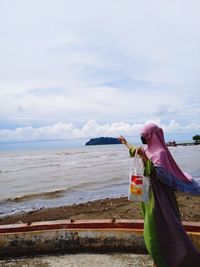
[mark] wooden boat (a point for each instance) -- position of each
(75, 236)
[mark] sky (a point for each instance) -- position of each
(78, 69)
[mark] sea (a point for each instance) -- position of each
(42, 176)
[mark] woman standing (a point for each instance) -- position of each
(164, 235)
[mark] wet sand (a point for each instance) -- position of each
(83, 259)
(119, 208)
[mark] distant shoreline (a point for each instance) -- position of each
(187, 144)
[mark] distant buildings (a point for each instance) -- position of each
(171, 143)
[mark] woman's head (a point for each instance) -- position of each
(158, 152)
(151, 134)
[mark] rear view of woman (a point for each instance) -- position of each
(164, 235)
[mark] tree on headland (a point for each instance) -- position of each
(196, 139)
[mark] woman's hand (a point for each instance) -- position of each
(140, 152)
(122, 140)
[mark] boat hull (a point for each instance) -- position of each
(81, 235)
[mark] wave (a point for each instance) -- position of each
(13, 170)
(57, 193)
(71, 153)
(47, 195)
(30, 168)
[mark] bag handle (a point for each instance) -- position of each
(137, 157)
(136, 153)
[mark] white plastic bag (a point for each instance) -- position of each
(139, 184)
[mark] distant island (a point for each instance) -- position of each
(103, 141)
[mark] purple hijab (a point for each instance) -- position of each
(158, 152)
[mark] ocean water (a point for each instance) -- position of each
(31, 179)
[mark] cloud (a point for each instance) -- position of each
(107, 105)
(90, 129)
(104, 104)
(104, 60)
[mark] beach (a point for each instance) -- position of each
(109, 208)
(45, 181)
(119, 208)
(79, 183)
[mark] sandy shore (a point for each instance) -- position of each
(119, 208)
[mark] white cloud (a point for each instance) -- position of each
(89, 129)
(110, 61)
(104, 104)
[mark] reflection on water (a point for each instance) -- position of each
(79, 260)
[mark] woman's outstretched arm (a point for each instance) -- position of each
(124, 141)
(140, 152)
